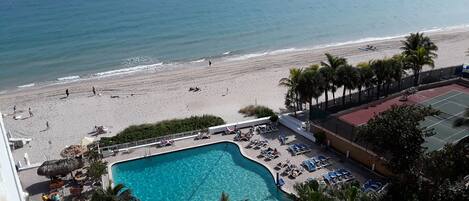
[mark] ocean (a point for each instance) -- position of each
(44, 41)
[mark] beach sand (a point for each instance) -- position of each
(149, 97)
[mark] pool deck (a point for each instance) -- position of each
(338, 161)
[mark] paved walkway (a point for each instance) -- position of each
(36, 185)
(336, 160)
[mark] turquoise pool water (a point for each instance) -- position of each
(198, 174)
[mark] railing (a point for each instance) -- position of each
(148, 141)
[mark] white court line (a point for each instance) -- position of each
(422, 96)
(437, 139)
(445, 98)
(455, 134)
(444, 119)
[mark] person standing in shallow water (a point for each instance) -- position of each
(94, 90)
(67, 93)
(209, 63)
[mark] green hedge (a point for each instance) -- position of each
(162, 128)
(259, 111)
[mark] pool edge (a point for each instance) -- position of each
(272, 172)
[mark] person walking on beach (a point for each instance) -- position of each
(14, 109)
(30, 112)
(47, 125)
(209, 63)
(94, 91)
(67, 93)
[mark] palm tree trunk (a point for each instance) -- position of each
(359, 94)
(343, 96)
(399, 84)
(416, 77)
(378, 87)
(350, 95)
(327, 98)
(387, 89)
(368, 93)
(333, 95)
(310, 109)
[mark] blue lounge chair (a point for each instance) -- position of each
(332, 175)
(322, 158)
(327, 178)
(309, 165)
(281, 182)
(338, 173)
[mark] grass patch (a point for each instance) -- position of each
(162, 128)
(257, 111)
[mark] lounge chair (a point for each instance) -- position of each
(372, 185)
(281, 182)
(328, 178)
(310, 166)
(322, 158)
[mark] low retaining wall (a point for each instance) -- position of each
(354, 151)
(239, 125)
(296, 126)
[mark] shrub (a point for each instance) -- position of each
(273, 118)
(97, 169)
(320, 136)
(162, 128)
(258, 111)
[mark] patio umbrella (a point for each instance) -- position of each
(73, 151)
(59, 167)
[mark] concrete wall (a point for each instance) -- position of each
(10, 186)
(354, 151)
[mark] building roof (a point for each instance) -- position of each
(10, 186)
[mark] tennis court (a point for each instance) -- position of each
(451, 100)
(452, 105)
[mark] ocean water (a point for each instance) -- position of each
(198, 174)
(64, 40)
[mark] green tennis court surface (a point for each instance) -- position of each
(452, 105)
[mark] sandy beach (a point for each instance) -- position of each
(149, 97)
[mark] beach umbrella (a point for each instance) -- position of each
(73, 151)
(86, 141)
(59, 167)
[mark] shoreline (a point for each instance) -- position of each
(151, 97)
(220, 58)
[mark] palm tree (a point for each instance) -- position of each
(224, 197)
(347, 77)
(411, 46)
(328, 75)
(351, 193)
(417, 60)
(310, 86)
(96, 170)
(118, 193)
(462, 121)
(292, 84)
(334, 62)
(381, 69)
(398, 69)
(366, 78)
(310, 190)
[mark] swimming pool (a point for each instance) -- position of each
(198, 174)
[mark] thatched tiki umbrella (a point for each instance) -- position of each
(73, 151)
(59, 167)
